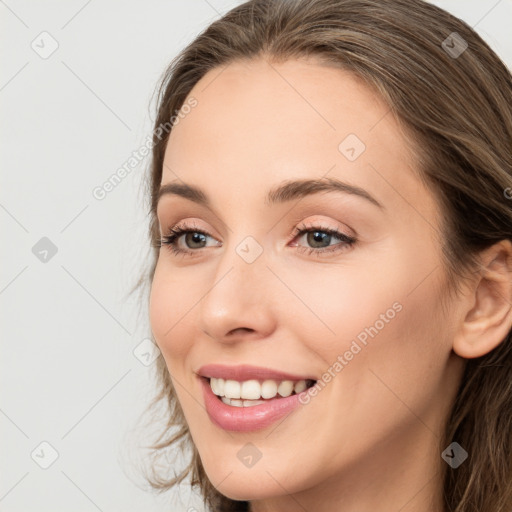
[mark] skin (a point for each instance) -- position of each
(369, 440)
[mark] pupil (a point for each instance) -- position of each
(196, 237)
(317, 237)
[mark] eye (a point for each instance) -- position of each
(319, 237)
(194, 237)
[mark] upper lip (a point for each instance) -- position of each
(247, 372)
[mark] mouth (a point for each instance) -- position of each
(253, 392)
(246, 398)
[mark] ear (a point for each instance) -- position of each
(488, 315)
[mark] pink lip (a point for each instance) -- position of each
(246, 419)
(247, 372)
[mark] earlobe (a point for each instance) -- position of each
(488, 318)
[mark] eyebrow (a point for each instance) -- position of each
(288, 191)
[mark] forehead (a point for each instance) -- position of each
(257, 124)
(272, 109)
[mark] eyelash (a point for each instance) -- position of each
(177, 231)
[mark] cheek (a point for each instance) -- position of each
(340, 305)
(168, 307)
(397, 370)
(383, 314)
(400, 366)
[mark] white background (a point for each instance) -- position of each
(68, 373)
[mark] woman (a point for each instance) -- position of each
(331, 286)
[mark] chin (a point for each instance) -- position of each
(248, 490)
(247, 484)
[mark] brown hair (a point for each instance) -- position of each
(458, 111)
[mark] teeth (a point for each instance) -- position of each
(269, 389)
(300, 386)
(238, 393)
(250, 403)
(215, 386)
(241, 403)
(250, 389)
(231, 389)
(285, 388)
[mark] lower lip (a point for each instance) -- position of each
(246, 419)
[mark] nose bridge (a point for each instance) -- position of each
(236, 297)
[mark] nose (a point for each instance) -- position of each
(238, 304)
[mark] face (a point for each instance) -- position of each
(339, 285)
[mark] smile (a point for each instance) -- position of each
(253, 392)
(246, 398)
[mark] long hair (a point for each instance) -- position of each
(453, 95)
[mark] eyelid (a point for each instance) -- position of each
(182, 228)
(322, 223)
(188, 225)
